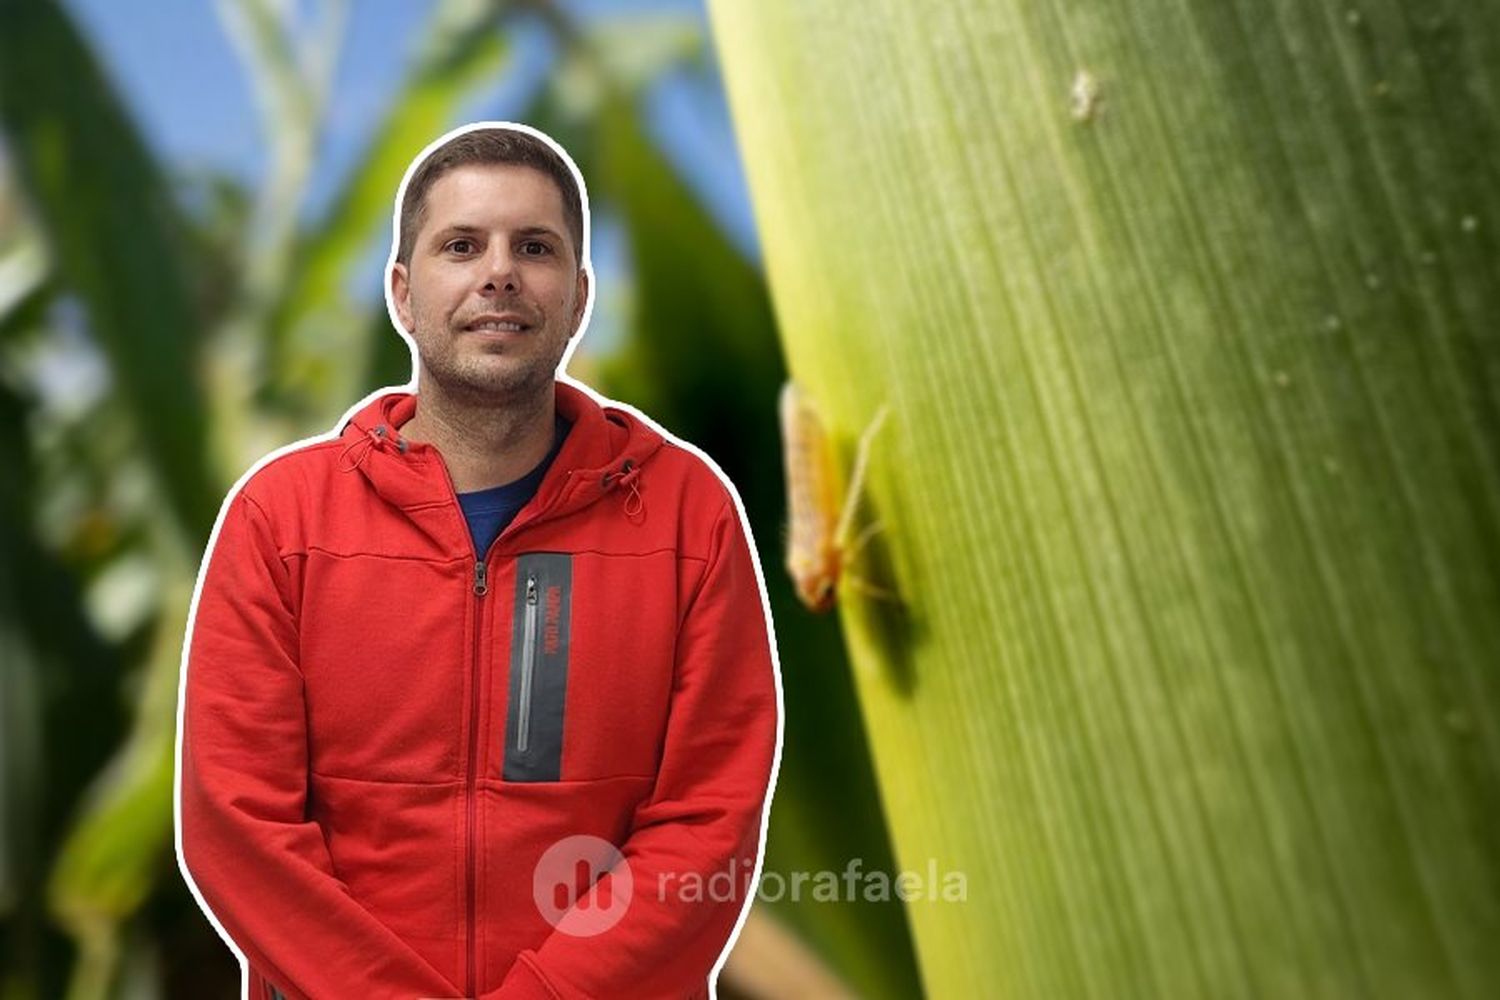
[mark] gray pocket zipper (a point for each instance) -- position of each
(528, 661)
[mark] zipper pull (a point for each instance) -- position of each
(530, 589)
(480, 587)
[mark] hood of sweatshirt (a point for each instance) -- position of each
(605, 455)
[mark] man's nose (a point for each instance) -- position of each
(500, 270)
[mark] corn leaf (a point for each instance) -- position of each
(1185, 313)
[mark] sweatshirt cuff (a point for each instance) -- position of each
(524, 982)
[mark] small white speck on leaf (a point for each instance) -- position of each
(1332, 322)
(1372, 281)
(1085, 96)
(1352, 16)
(1282, 379)
(1468, 223)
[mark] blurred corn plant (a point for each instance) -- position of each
(1186, 315)
(159, 332)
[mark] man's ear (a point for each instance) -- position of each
(401, 296)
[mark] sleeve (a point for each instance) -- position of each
(260, 866)
(703, 817)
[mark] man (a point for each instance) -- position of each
(477, 685)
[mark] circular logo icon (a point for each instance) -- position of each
(567, 888)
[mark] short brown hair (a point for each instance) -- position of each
(488, 146)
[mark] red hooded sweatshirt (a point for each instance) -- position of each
(383, 733)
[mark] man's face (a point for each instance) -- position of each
(494, 243)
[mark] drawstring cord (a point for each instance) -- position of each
(373, 438)
(628, 476)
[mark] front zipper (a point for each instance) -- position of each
(481, 587)
(528, 660)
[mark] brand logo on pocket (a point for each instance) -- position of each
(570, 890)
(552, 623)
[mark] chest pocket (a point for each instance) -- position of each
(539, 661)
(590, 665)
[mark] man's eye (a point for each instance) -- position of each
(542, 248)
(460, 246)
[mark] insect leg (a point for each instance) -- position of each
(857, 475)
(866, 533)
(855, 582)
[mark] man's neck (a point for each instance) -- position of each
(484, 444)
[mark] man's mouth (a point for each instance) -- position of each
(492, 324)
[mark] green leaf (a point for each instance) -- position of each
(115, 852)
(114, 235)
(1185, 313)
(23, 256)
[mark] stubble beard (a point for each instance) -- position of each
(468, 372)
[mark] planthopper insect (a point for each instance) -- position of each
(819, 550)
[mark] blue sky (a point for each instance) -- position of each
(180, 77)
